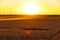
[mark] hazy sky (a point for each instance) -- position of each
(49, 6)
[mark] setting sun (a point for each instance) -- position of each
(30, 8)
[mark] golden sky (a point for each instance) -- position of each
(14, 6)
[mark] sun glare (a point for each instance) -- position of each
(30, 8)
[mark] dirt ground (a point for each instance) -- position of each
(33, 29)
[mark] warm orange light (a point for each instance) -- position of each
(28, 32)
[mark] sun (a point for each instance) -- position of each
(30, 8)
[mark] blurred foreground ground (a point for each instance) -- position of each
(31, 29)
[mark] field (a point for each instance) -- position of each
(47, 28)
